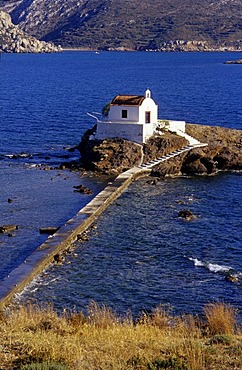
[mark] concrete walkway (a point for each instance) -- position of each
(66, 235)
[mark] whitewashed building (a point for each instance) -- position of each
(134, 118)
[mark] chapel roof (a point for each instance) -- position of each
(128, 100)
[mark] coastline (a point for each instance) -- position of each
(217, 138)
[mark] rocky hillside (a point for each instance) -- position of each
(112, 156)
(132, 25)
(14, 40)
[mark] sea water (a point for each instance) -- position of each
(140, 254)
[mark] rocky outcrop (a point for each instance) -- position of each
(13, 40)
(110, 156)
(113, 156)
(157, 146)
(223, 153)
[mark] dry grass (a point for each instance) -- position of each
(221, 318)
(103, 341)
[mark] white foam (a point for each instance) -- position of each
(217, 268)
(213, 267)
(197, 262)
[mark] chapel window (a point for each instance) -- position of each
(124, 113)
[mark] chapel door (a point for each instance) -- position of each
(147, 117)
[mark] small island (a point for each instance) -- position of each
(130, 134)
(238, 61)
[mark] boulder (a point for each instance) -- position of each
(48, 230)
(186, 214)
(157, 146)
(82, 189)
(7, 228)
(233, 278)
(58, 258)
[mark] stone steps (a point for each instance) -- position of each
(151, 164)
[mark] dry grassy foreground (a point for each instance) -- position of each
(38, 338)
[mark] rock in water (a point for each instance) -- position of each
(82, 189)
(186, 214)
(7, 228)
(48, 230)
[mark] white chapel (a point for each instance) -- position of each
(134, 118)
(131, 117)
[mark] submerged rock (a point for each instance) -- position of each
(58, 258)
(186, 214)
(8, 228)
(83, 189)
(48, 230)
(233, 278)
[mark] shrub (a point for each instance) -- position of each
(101, 316)
(169, 364)
(220, 339)
(159, 317)
(220, 318)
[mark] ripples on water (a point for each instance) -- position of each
(39, 198)
(141, 254)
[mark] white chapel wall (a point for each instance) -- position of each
(121, 130)
(115, 113)
(148, 106)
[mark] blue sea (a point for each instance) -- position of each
(140, 254)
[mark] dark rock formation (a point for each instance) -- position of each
(58, 258)
(14, 40)
(82, 189)
(110, 156)
(158, 146)
(223, 153)
(50, 230)
(83, 237)
(186, 214)
(7, 228)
